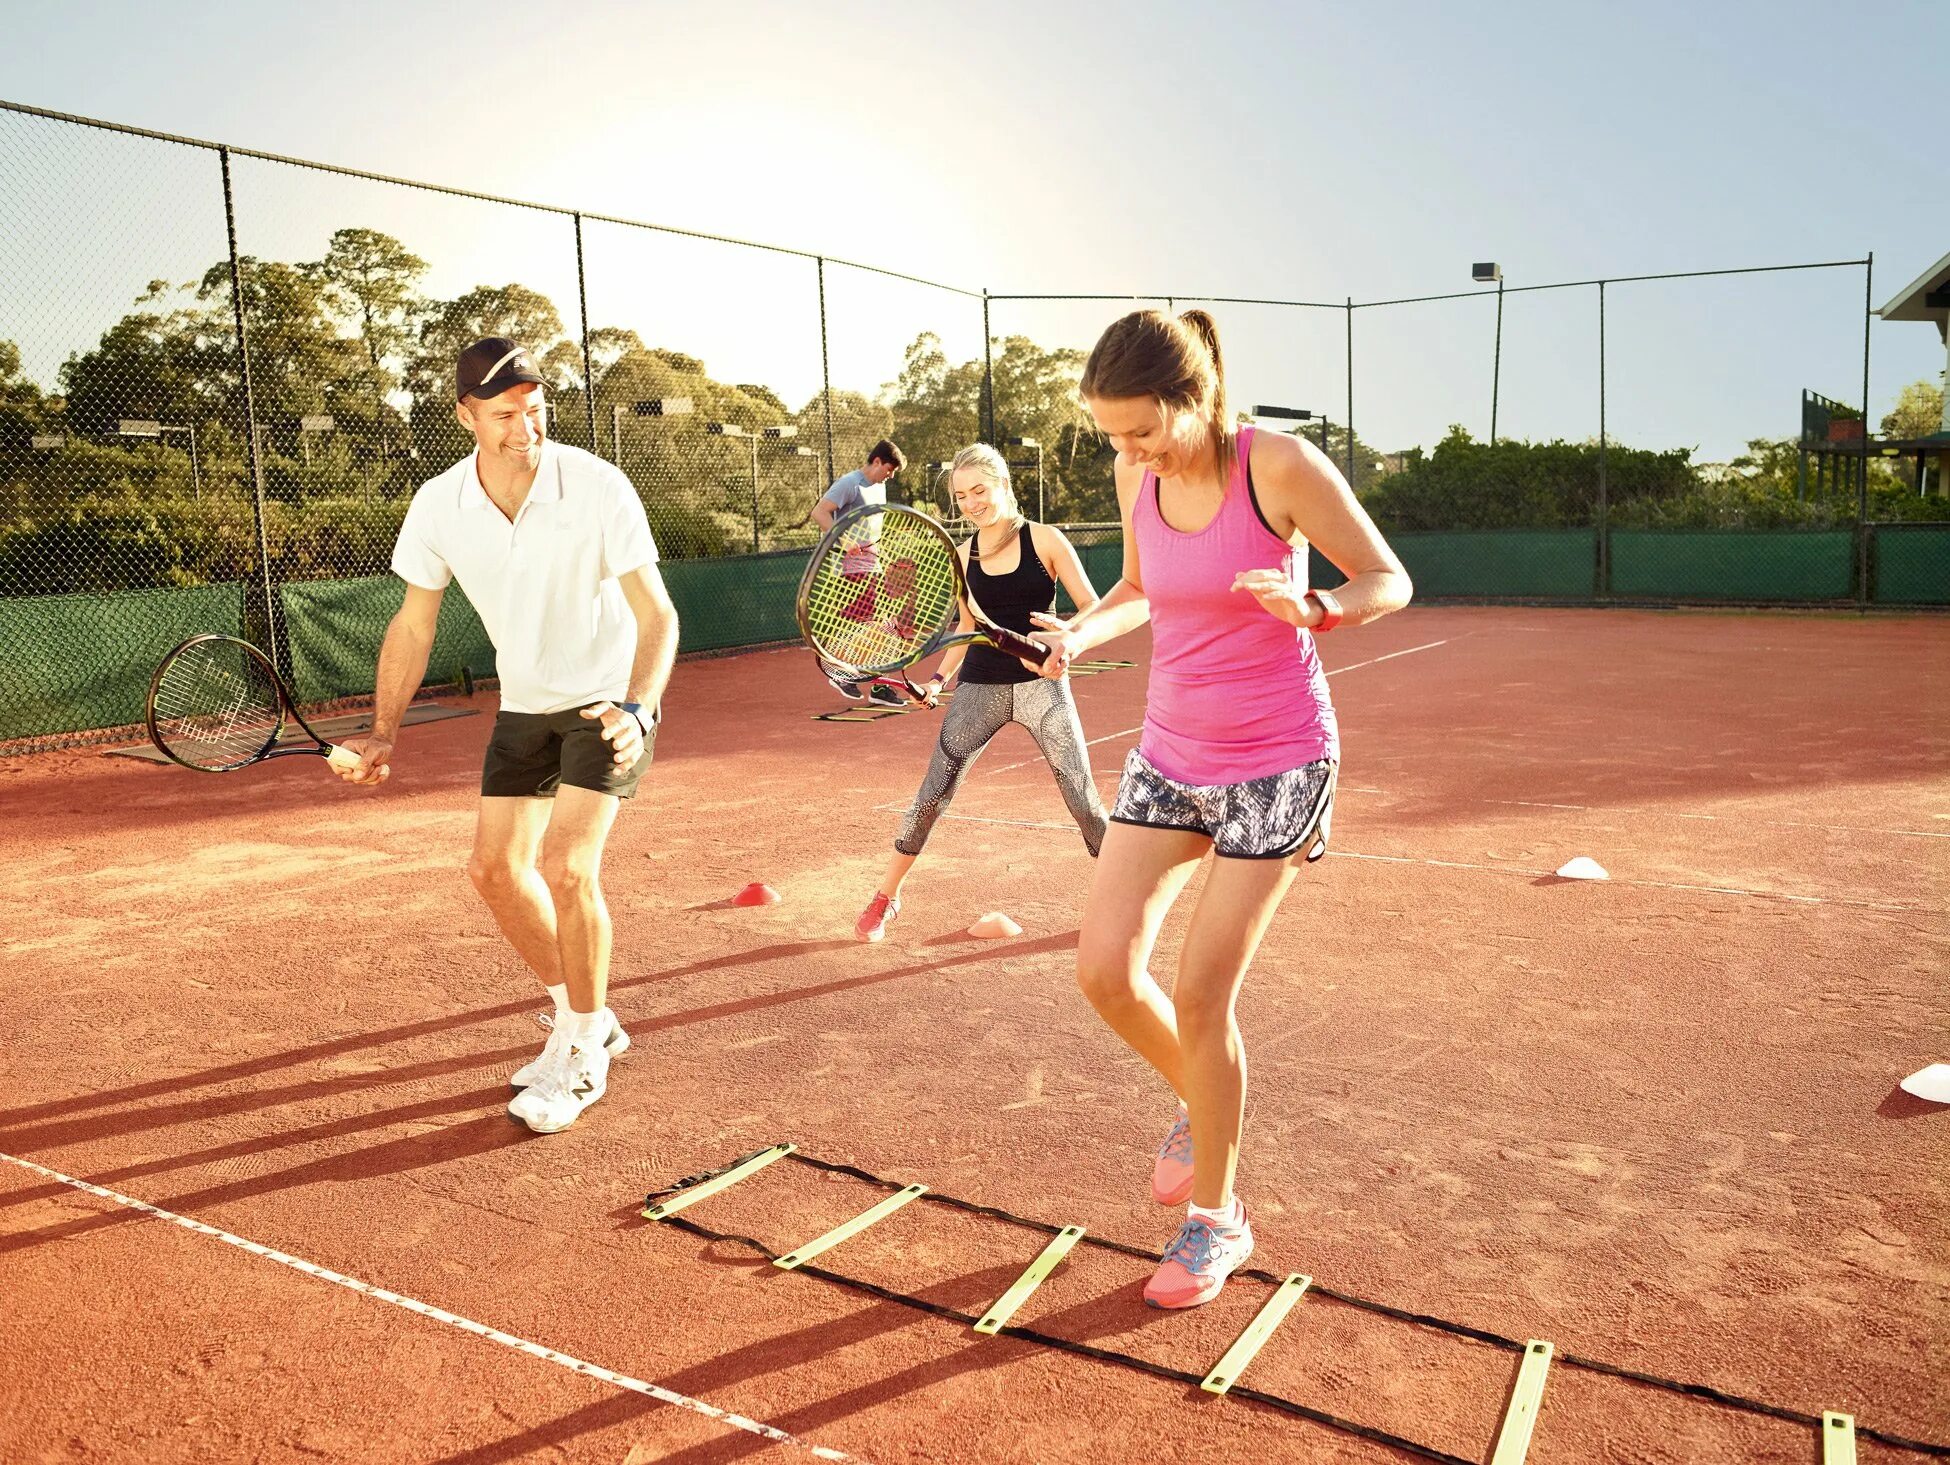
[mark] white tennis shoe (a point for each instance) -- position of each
(567, 1085)
(615, 1040)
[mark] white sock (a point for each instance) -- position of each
(1231, 1214)
(560, 994)
(583, 1027)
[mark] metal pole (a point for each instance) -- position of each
(1496, 367)
(1604, 506)
(988, 374)
(754, 495)
(1042, 511)
(1862, 488)
(1350, 391)
(825, 365)
(279, 653)
(588, 365)
(615, 433)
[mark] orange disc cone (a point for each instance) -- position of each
(756, 894)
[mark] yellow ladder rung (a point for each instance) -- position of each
(1019, 1290)
(1837, 1438)
(879, 1212)
(1520, 1414)
(1225, 1373)
(711, 1187)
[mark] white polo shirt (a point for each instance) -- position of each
(545, 586)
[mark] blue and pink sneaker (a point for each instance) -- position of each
(1199, 1262)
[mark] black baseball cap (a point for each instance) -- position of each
(491, 365)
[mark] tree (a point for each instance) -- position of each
(152, 363)
(1918, 411)
(370, 277)
(297, 353)
(23, 410)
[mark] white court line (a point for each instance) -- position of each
(1715, 818)
(441, 1315)
(1873, 905)
(1127, 731)
(1336, 854)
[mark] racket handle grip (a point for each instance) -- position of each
(1020, 647)
(342, 758)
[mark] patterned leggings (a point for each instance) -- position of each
(977, 713)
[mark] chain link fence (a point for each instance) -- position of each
(223, 374)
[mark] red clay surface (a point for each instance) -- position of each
(1653, 1121)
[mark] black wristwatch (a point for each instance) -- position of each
(635, 709)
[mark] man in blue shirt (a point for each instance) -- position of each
(866, 485)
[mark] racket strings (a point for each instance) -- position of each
(216, 706)
(882, 594)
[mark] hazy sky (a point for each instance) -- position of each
(1296, 150)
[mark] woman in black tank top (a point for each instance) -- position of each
(1009, 598)
(1013, 568)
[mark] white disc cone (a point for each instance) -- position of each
(1932, 1083)
(1582, 868)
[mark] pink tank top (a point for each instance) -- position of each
(1235, 692)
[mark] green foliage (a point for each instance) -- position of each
(1918, 411)
(1510, 484)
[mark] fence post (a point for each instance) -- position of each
(1496, 361)
(988, 375)
(825, 370)
(1350, 392)
(588, 367)
(1604, 498)
(1862, 491)
(280, 653)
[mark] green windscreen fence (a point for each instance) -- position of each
(1101, 550)
(1910, 564)
(85, 660)
(735, 602)
(334, 628)
(1733, 564)
(1546, 564)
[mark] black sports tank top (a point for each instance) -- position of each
(1007, 600)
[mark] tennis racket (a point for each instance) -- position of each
(884, 589)
(216, 704)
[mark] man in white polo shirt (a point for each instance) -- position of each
(552, 546)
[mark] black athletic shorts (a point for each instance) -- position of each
(531, 754)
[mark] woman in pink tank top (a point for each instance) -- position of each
(1240, 747)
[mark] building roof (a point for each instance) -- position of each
(1925, 298)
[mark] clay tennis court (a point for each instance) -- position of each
(1651, 1121)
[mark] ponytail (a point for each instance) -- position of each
(1175, 361)
(1207, 330)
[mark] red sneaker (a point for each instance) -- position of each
(877, 917)
(1199, 1262)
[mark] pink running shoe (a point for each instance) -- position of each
(1199, 1262)
(1171, 1172)
(877, 917)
